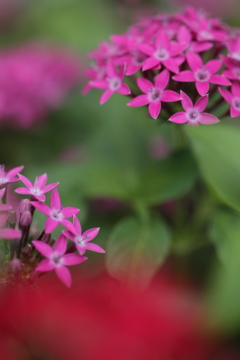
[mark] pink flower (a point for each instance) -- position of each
(154, 93)
(233, 68)
(202, 74)
(7, 233)
(81, 240)
(233, 98)
(38, 189)
(163, 52)
(57, 214)
(57, 259)
(194, 114)
(185, 37)
(112, 83)
(10, 176)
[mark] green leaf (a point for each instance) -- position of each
(135, 251)
(217, 150)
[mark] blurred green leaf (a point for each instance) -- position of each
(217, 150)
(135, 251)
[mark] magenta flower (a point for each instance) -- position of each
(233, 98)
(57, 260)
(112, 83)
(38, 189)
(10, 176)
(185, 37)
(81, 240)
(7, 233)
(154, 93)
(57, 214)
(202, 74)
(194, 114)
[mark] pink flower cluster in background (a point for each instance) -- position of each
(24, 261)
(34, 79)
(168, 58)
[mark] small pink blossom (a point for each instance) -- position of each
(81, 240)
(233, 98)
(57, 214)
(7, 233)
(38, 189)
(57, 260)
(202, 74)
(112, 83)
(194, 114)
(10, 176)
(155, 93)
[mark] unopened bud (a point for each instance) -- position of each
(25, 205)
(15, 266)
(12, 219)
(27, 251)
(25, 218)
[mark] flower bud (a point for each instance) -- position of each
(25, 218)
(15, 266)
(25, 205)
(12, 219)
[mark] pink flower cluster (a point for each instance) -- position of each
(24, 262)
(34, 79)
(169, 58)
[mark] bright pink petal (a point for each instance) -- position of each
(55, 200)
(99, 84)
(25, 181)
(90, 234)
(150, 63)
(236, 89)
(43, 208)
(184, 35)
(94, 247)
(106, 96)
(50, 225)
(44, 266)
(234, 112)
(171, 65)
(69, 211)
(170, 96)
(140, 100)
(77, 225)
(202, 87)
(229, 74)
(208, 119)
(162, 80)
(41, 181)
(179, 118)
(23, 190)
(124, 90)
(177, 49)
(61, 245)
(14, 172)
(184, 76)
(5, 207)
(69, 235)
(10, 234)
(64, 275)
(43, 248)
(111, 71)
(194, 61)
(132, 69)
(186, 101)
(154, 109)
(73, 259)
(201, 104)
(49, 187)
(201, 46)
(219, 80)
(40, 197)
(226, 95)
(145, 49)
(213, 66)
(68, 225)
(144, 85)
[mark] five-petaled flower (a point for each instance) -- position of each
(57, 214)
(38, 189)
(81, 240)
(57, 260)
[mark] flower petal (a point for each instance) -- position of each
(50, 225)
(208, 119)
(49, 187)
(202, 87)
(144, 85)
(25, 181)
(171, 65)
(73, 259)
(179, 118)
(23, 190)
(201, 104)
(162, 80)
(236, 89)
(94, 247)
(106, 96)
(10, 234)
(213, 66)
(186, 101)
(55, 200)
(219, 80)
(140, 100)
(184, 76)
(226, 95)
(194, 61)
(43, 208)
(154, 109)
(234, 112)
(41, 181)
(150, 63)
(124, 90)
(64, 275)
(90, 234)
(69, 211)
(77, 225)
(69, 235)
(13, 172)
(43, 248)
(44, 266)
(170, 96)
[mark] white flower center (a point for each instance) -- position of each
(236, 103)
(236, 72)
(139, 59)
(161, 54)
(114, 83)
(235, 55)
(56, 214)
(56, 259)
(36, 191)
(3, 180)
(154, 94)
(206, 35)
(79, 240)
(202, 75)
(193, 115)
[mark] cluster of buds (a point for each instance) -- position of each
(24, 258)
(167, 58)
(40, 76)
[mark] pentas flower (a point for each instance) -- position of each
(194, 114)
(81, 240)
(233, 98)
(5, 232)
(154, 93)
(10, 176)
(57, 214)
(202, 74)
(57, 259)
(38, 189)
(112, 83)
